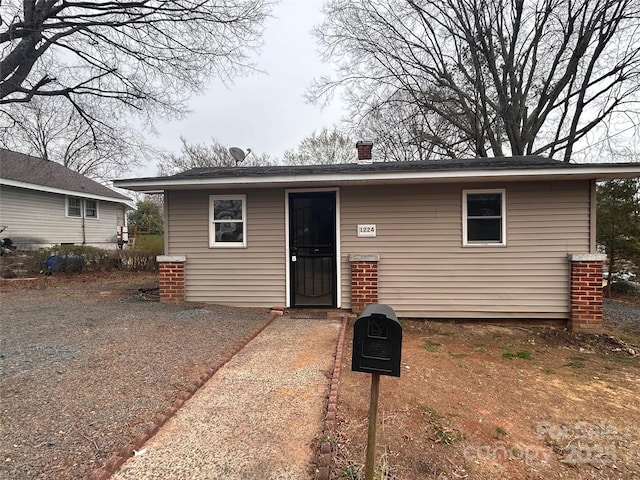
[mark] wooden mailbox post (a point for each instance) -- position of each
(377, 349)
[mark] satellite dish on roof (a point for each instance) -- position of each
(238, 154)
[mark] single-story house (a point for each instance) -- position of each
(485, 238)
(43, 203)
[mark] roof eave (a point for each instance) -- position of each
(40, 188)
(156, 185)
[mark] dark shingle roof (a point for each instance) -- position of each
(27, 169)
(381, 167)
(526, 167)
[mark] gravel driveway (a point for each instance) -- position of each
(622, 313)
(85, 364)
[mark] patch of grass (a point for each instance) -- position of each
(351, 472)
(431, 346)
(523, 354)
(458, 355)
(500, 433)
(446, 435)
(576, 364)
(548, 370)
(430, 411)
(324, 438)
(480, 347)
(442, 433)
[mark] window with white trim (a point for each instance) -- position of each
(227, 221)
(484, 217)
(74, 207)
(91, 208)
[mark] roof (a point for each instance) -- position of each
(26, 171)
(443, 171)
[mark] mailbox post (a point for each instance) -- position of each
(377, 349)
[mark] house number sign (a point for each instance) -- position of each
(366, 230)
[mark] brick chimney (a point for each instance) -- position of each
(364, 151)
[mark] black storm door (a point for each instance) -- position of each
(312, 249)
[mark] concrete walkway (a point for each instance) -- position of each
(257, 416)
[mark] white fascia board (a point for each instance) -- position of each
(467, 175)
(62, 191)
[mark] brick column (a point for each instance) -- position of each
(171, 272)
(586, 292)
(364, 281)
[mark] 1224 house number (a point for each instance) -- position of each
(366, 230)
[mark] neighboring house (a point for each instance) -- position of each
(493, 238)
(43, 203)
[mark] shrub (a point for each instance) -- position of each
(75, 258)
(152, 244)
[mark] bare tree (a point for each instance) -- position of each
(402, 134)
(488, 77)
(144, 55)
(53, 130)
(322, 148)
(202, 155)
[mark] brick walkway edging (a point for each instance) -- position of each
(325, 453)
(113, 463)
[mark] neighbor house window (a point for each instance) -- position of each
(91, 208)
(484, 217)
(227, 227)
(74, 207)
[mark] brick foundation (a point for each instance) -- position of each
(171, 277)
(364, 281)
(586, 292)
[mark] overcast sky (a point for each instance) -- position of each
(265, 112)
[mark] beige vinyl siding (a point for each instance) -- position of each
(37, 218)
(424, 271)
(251, 276)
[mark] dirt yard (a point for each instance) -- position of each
(492, 402)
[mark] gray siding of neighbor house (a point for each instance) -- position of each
(39, 218)
(253, 276)
(424, 271)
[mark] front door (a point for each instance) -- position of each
(312, 247)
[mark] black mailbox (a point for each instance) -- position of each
(377, 341)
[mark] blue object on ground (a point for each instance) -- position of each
(65, 263)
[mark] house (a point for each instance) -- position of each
(491, 238)
(43, 203)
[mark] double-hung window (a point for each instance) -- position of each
(74, 207)
(227, 221)
(91, 208)
(484, 218)
(78, 207)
